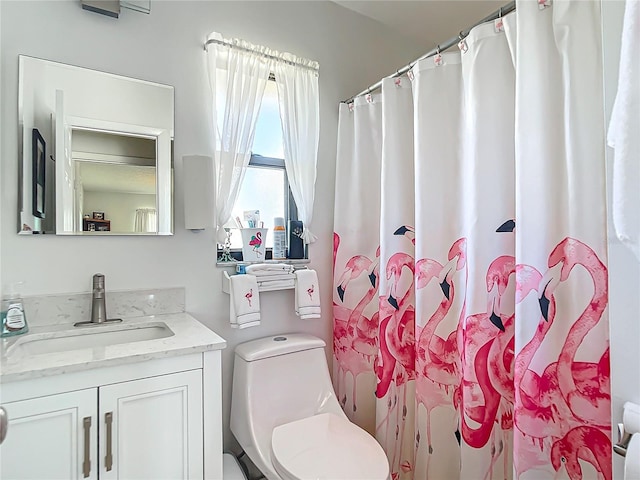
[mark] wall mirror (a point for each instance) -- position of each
(96, 152)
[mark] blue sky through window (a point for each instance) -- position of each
(264, 188)
(268, 137)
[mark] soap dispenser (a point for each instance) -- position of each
(14, 321)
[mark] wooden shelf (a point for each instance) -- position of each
(100, 225)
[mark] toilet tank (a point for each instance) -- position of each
(277, 380)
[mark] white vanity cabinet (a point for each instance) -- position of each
(49, 437)
(155, 419)
(152, 428)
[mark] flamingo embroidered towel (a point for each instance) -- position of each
(307, 295)
(244, 301)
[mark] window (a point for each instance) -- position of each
(265, 186)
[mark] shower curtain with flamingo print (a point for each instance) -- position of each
(470, 284)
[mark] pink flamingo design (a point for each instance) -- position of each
(310, 292)
(354, 267)
(256, 240)
(355, 344)
(487, 363)
(400, 336)
(483, 414)
(589, 405)
(501, 359)
(444, 366)
(248, 296)
(568, 393)
(429, 393)
(537, 396)
(361, 329)
(407, 231)
(397, 326)
(398, 317)
(540, 413)
(587, 443)
(359, 340)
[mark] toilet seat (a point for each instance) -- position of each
(326, 446)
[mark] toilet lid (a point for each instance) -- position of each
(326, 446)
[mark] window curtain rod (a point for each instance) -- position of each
(509, 7)
(270, 57)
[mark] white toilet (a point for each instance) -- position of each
(286, 417)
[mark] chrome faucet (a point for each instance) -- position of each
(98, 304)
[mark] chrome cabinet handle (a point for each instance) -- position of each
(108, 459)
(86, 464)
(4, 424)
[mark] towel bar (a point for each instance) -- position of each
(225, 285)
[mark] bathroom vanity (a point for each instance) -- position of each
(139, 399)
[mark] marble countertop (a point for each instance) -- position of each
(189, 336)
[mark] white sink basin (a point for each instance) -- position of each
(90, 337)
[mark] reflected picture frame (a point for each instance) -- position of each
(38, 171)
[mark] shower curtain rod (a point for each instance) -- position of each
(509, 7)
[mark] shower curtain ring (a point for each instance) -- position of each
(460, 36)
(437, 49)
(500, 13)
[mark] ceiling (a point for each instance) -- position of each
(425, 21)
(114, 178)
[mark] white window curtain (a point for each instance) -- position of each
(238, 73)
(297, 81)
(146, 220)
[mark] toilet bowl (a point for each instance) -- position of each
(286, 417)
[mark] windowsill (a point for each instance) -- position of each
(290, 261)
(236, 253)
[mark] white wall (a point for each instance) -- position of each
(167, 47)
(119, 208)
(624, 269)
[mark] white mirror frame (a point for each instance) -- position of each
(65, 216)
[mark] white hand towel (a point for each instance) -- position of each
(623, 134)
(244, 301)
(308, 310)
(269, 267)
(307, 293)
(311, 315)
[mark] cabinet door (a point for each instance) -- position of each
(152, 428)
(51, 437)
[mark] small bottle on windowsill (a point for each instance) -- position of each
(279, 239)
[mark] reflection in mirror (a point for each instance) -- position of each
(116, 181)
(108, 143)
